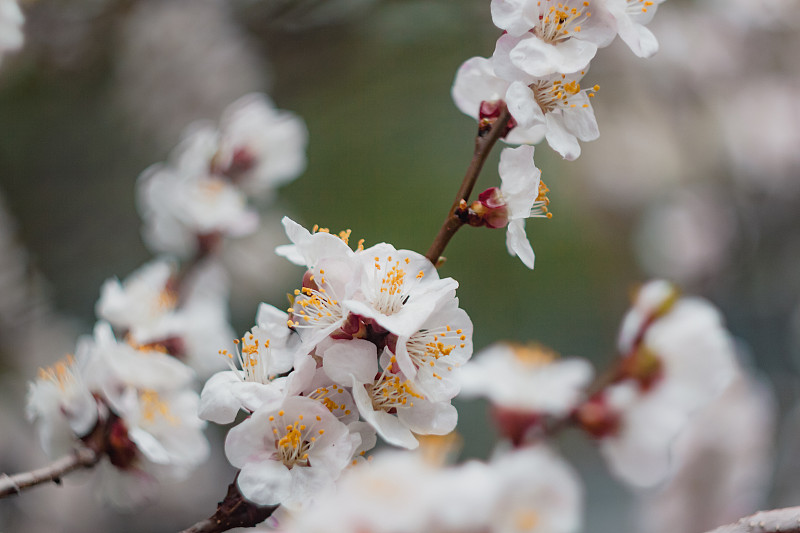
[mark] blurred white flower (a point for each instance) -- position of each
(676, 358)
(187, 318)
(762, 144)
(179, 210)
(524, 491)
(687, 237)
(722, 463)
(61, 405)
(260, 147)
(527, 379)
(11, 19)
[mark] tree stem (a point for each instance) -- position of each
(484, 142)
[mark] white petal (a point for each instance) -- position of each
(355, 358)
(518, 244)
(217, 402)
(515, 16)
(429, 418)
(560, 139)
(520, 180)
(265, 482)
(476, 82)
(523, 106)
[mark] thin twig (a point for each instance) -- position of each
(80, 458)
(775, 521)
(483, 146)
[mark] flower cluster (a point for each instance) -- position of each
(373, 333)
(535, 73)
(132, 401)
(132, 405)
(200, 194)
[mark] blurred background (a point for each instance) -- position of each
(695, 177)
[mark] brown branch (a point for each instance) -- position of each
(484, 142)
(234, 511)
(80, 458)
(775, 521)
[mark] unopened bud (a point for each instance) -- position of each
(597, 418)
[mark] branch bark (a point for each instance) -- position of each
(80, 458)
(234, 511)
(775, 521)
(484, 142)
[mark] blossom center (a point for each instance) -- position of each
(389, 392)
(534, 355)
(428, 346)
(325, 395)
(294, 440)
(560, 21)
(254, 358)
(393, 289)
(552, 94)
(153, 406)
(315, 305)
(61, 374)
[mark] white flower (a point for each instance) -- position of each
(61, 405)
(399, 288)
(553, 36)
(181, 208)
(555, 101)
(552, 106)
(11, 20)
(289, 454)
(318, 309)
(141, 300)
(149, 309)
(260, 356)
(526, 379)
(431, 356)
(261, 147)
(631, 16)
(390, 402)
(165, 429)
(477, 82)
(112, 366)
